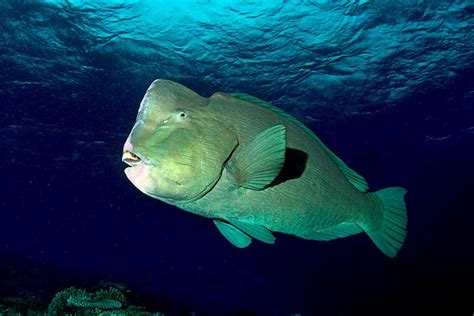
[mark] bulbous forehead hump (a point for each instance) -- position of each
(169, 95)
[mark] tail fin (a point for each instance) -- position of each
(390, 237)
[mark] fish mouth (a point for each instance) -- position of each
(138, 172)
(133, 159)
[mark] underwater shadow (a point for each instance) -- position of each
(294, 166)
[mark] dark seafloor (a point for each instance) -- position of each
(387, 85)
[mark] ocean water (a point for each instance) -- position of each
(387, 85)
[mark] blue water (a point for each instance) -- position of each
(387, 85)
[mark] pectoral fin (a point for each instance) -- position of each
(235, 236)
(261, 160)
(258, 232)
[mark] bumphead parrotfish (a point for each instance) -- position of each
(253, 169)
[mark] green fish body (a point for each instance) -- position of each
(253, 169)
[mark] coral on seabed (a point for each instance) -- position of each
(103, 302)
(71, 301)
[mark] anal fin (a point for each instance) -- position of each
(343, 229)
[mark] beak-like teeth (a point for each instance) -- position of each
(130, 158)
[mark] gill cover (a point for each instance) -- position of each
(184, 154)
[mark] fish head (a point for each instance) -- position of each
(177, 147)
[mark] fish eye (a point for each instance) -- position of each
(182, 115)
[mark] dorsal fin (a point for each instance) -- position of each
(357, 180)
